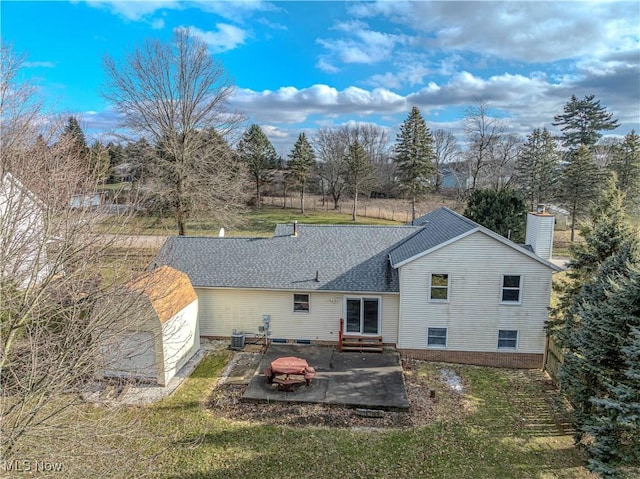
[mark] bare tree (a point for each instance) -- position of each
(19, 105)
(359, 173)
(54, 268)
(331, 148)
(375, 141)
(501, 168)
(446, 150)
(171, 93)
(483, 133)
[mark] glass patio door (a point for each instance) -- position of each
(363, 315)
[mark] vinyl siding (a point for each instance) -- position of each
(223, 310)
(180, 340)
(540, 234)
(473, 315)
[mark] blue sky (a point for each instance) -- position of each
(302, 65)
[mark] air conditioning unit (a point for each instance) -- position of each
(237, 340)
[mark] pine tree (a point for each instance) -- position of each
(502, 211)
(579, 186)
(603, 238)
(260, 156)
(79, 142)
(301, 164)
(99, 161)
(537, 168)
(626, 164)
(582, 122)
(594, 376)
(415, 157)
(360, 173)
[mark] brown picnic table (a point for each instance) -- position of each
(288, 372)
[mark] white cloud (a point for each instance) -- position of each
(157, 24)
(227, 37)
(531, 32)
(291, 105)
(28, 64)
(142, 9)
(324, 65)
(361, 44)
(136, 10)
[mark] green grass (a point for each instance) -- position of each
(260, 222)
(505, 429)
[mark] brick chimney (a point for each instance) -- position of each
(540, 226)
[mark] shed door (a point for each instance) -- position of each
(131, 354)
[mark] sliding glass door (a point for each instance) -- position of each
(362, 315)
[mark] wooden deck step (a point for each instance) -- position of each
(362, 344)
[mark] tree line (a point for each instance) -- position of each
(173, 99)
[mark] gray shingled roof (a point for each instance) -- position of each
(435, 228)
(346, 258)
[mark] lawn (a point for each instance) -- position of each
(501, 427)
(260, 222)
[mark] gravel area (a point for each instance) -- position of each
(117, 391)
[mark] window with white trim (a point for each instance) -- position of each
(439, 287)
(300, 303)
(511, 288)
(507, 339)
(437, 337)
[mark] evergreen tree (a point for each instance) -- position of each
(603, 238)
(79, 143)
(360, 173)
(502, 211)
(537, 168)
(582, 122)
(594, 375)
(626, 164)
(579, 186)
(99, 161)
(301, 164)
(415, 157)
(261, 159)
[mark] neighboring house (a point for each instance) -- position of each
(159, 332)
(23, 236)
(447, 289)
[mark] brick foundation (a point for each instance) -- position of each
(494, 359)
(498, 360)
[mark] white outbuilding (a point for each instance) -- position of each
(158, 333)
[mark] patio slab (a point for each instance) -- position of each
(350, 379)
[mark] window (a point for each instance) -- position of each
(437, 337)
(439, 287)
(511, 288)
(300, 303)
(507, 339)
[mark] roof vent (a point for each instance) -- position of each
(540, 209)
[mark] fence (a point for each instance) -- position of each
(553, 358)
(389, 209)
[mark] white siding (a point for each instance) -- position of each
(180, 340)
(130, 355)
(223, 310)
(474, 315)
(540, 234)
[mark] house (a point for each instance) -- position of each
(159, 332)
(23, 234)
(444, 289)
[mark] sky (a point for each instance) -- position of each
(300, 66)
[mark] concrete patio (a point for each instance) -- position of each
(348, 379)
